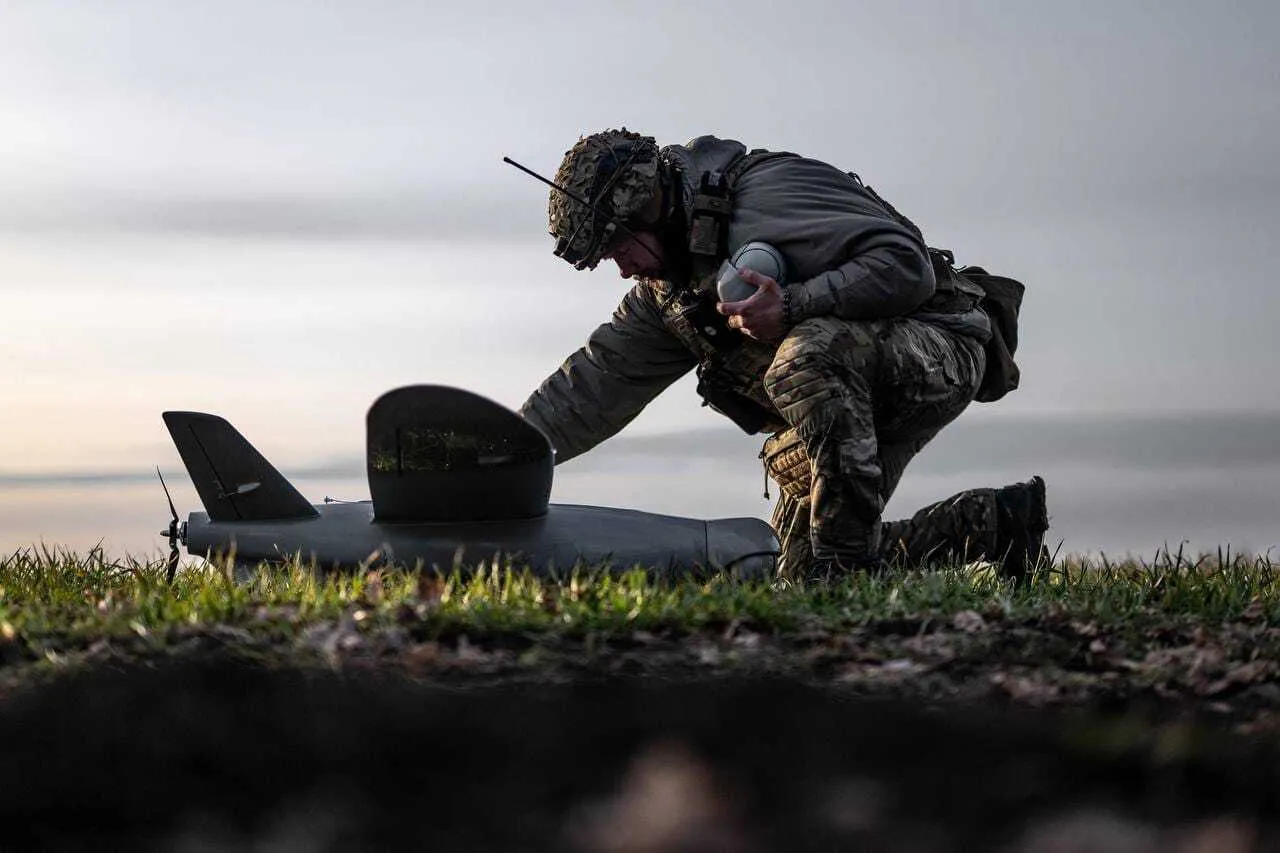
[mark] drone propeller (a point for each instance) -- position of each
(175, 531)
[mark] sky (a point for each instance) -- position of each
(277, 212)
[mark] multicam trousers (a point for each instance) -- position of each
(861, 399)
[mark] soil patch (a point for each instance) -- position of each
(213, 752)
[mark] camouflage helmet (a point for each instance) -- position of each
(615, 170)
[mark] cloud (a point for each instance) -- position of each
(388, 215)
(1060, 109)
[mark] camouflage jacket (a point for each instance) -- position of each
(846, 256)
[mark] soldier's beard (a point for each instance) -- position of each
(639, 256)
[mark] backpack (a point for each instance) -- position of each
(1001, 300)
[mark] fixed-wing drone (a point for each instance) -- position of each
(454, 479)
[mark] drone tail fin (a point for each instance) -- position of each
(235, 482)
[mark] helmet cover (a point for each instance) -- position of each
(617, 172)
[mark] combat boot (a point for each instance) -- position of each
(831, 569)
(1022, 518)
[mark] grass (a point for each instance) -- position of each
(1175, 634)
(1198, 635)
(53, 599)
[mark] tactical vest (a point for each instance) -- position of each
(731, 365)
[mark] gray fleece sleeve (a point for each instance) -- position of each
(603, 386)
(848, 257)
(884, 281)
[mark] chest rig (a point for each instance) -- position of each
(731, 365)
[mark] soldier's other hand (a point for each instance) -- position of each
(759, 315)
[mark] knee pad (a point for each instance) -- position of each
(819, 359)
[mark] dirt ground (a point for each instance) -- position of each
(655, 744)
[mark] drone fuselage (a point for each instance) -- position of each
(346, 535)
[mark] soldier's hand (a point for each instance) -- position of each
(760, 315)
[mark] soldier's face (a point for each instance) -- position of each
(638, 255)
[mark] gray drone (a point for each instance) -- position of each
(454, 478)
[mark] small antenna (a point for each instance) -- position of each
(579, 199)
(587, 204)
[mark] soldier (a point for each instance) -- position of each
(872, 346)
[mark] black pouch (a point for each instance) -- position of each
(1001, 301)
(953, 294)
(749, 415)
(711, 325)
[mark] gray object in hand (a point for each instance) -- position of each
(757, 256)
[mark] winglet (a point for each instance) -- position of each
(437, 453)
(235, 482)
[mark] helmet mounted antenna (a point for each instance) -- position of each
(594, 208)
